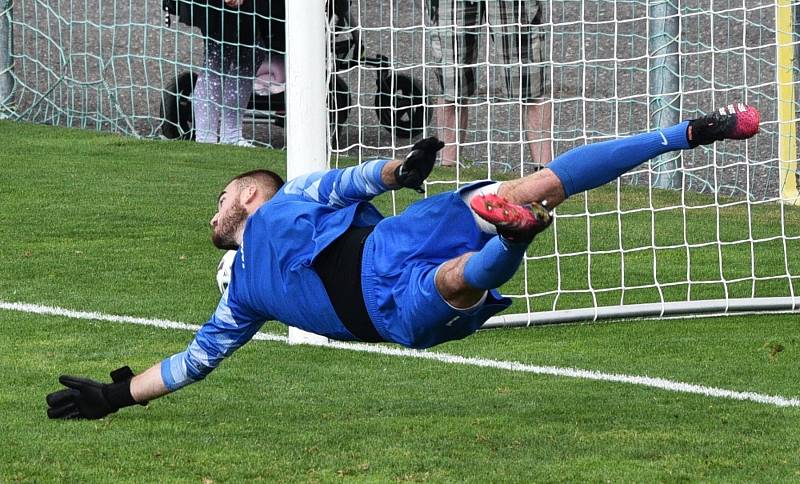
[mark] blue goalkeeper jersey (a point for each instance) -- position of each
(273, 277)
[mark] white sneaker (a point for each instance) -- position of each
(242, 143)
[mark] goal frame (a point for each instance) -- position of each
(663, 80)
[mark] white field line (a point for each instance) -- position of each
(660, 383)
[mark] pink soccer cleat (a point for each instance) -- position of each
(734, 121)
(515, 223)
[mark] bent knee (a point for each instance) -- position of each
(453, 287)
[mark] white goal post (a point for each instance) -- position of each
(306, 100)
(714, 230)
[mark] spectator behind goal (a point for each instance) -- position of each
(518, 41)
(237, 34)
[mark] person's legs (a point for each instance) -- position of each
(462, 281)
(519, 41)
(231, 121)
(207, 95)
(590, 166)
(455, 28)
(238, 79)
(543, 185)
(538, 118)
(593, 165)
(452, 285)
(498, 260)
(452, 119)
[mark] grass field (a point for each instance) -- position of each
(114, 225)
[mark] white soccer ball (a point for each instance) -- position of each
(224, 270)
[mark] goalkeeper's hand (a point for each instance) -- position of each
(418, 164)
(84, 398)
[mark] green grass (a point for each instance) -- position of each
(101, 223)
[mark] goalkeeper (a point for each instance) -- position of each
(315, 254)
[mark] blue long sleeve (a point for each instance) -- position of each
(339, 188)
(216, 340)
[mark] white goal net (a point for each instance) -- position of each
(692, 232)
(711, 230)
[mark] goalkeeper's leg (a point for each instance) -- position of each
(593, 165)
(517, 217)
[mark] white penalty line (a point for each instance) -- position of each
(660, 383)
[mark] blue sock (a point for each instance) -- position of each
(494, 264)
(596, 164)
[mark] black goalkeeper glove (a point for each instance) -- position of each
(418, 164)
(84, 398)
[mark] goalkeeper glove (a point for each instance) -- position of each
(418, 164)
(84, 398)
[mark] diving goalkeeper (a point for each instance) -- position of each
(315, 254)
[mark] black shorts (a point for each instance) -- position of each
(339, 268)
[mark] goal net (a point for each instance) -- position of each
(712, 230)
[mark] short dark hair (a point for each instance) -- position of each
(267, 180)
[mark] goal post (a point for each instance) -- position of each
(788, 46)
(664, 80)
(306, 99)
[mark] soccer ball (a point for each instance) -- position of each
(224, 270)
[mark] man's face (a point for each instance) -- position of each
(230, 217)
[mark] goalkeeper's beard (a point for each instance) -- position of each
(224, 234)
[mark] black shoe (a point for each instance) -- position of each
(735, 121)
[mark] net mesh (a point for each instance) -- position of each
(698, 224)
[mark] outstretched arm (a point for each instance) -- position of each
(342, 187)
(148, 385)
(223, 334)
